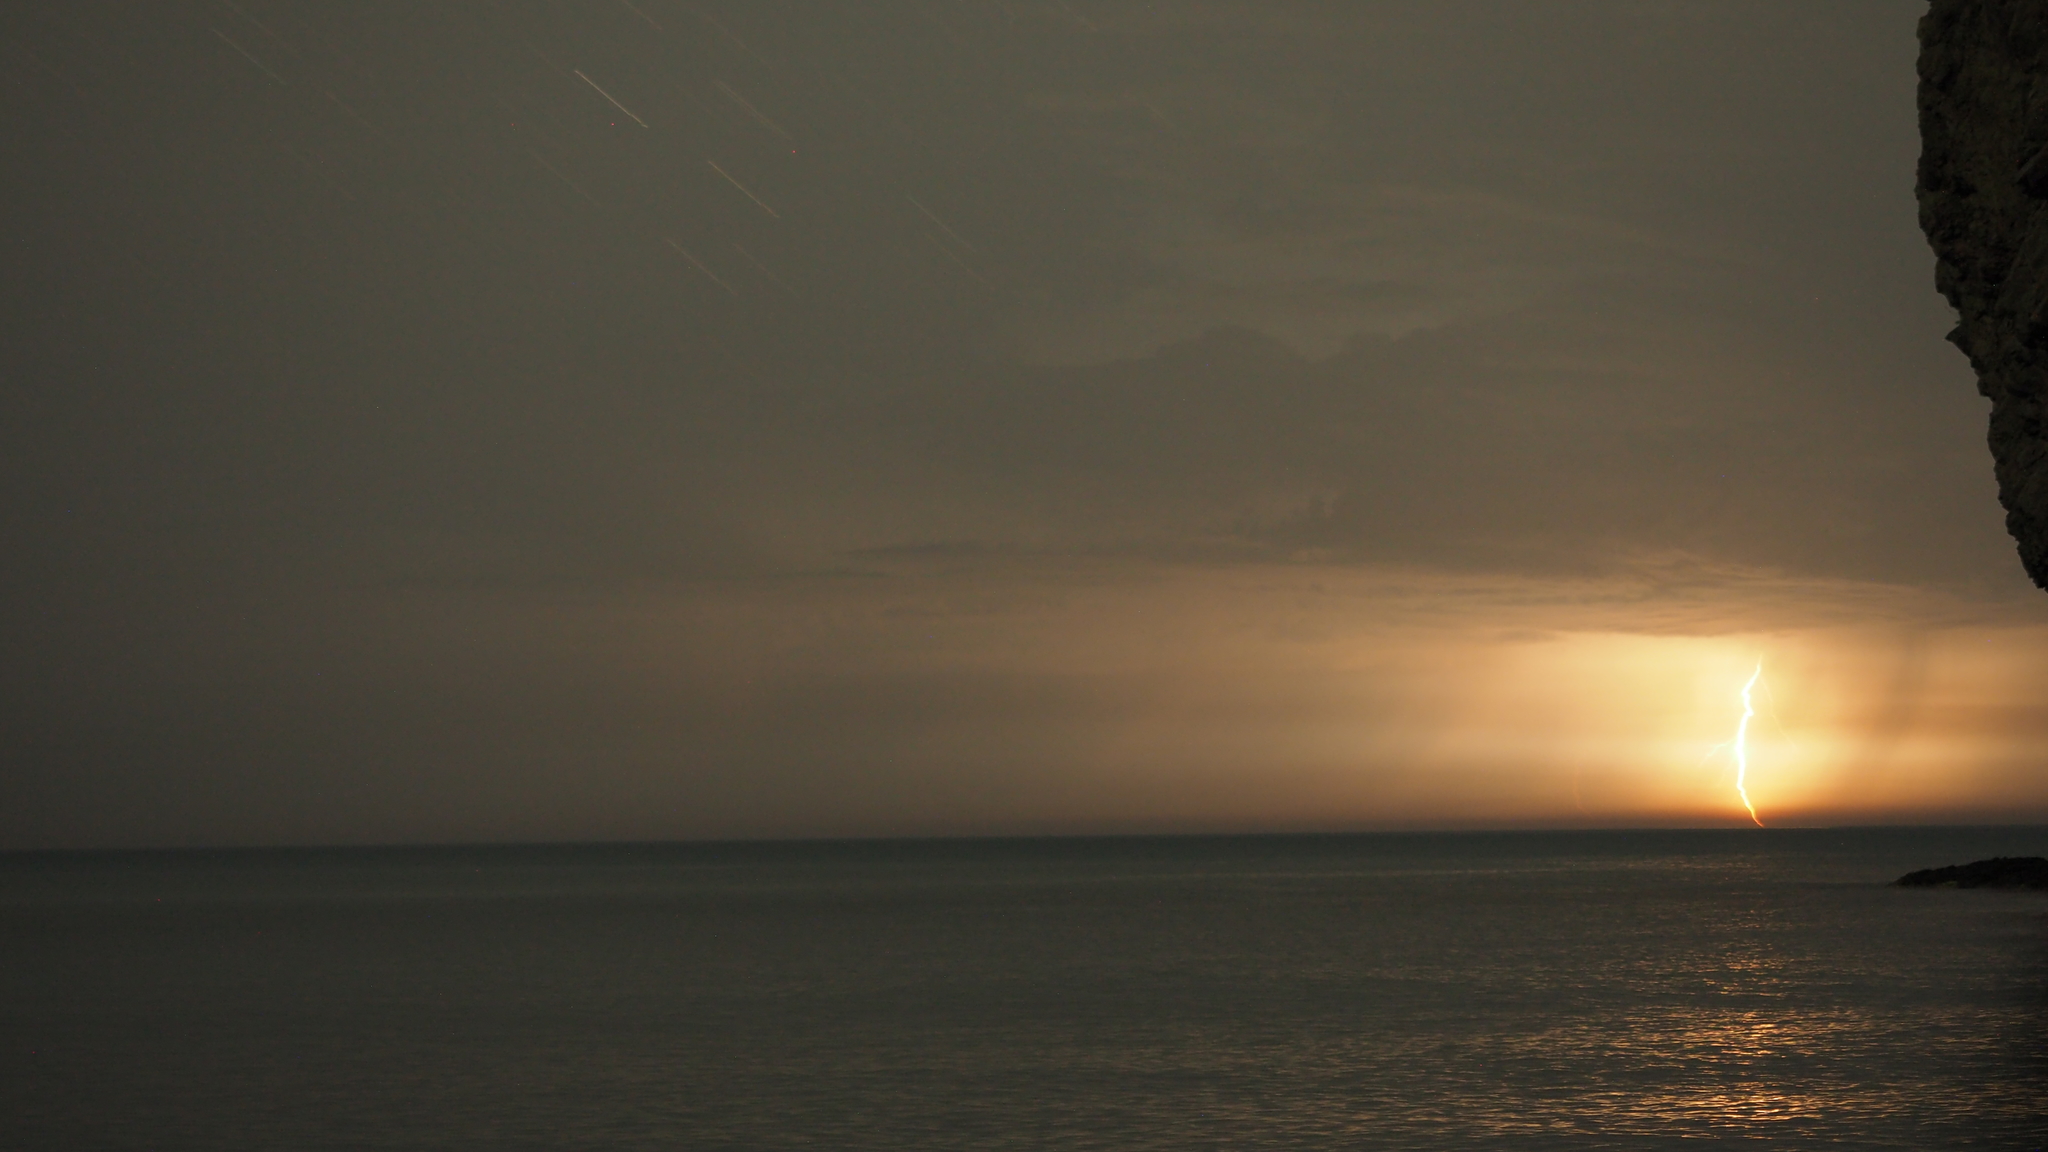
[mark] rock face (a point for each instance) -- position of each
(1983, 190)
(1997, 872)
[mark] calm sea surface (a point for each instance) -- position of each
(1548, 990)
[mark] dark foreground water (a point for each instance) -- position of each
(1528, 991)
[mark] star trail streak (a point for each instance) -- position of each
(701, 268)
(743, 189)
(608, 96)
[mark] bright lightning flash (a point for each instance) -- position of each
(1741, 743)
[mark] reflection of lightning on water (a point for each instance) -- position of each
(1742, 744)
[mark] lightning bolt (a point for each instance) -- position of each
(1741, 743)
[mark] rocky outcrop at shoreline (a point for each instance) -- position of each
(1997, 872)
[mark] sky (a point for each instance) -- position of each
(598, 420)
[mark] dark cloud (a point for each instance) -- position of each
(547, 420)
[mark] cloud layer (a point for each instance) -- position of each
(983, 417)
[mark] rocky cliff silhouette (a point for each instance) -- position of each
(1983, 191)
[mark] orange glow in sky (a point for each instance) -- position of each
(1322, 699)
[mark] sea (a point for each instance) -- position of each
(1528, 990)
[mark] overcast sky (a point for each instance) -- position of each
(444, 421)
